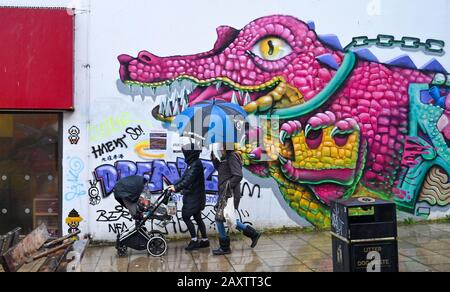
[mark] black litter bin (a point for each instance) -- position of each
(364, 235)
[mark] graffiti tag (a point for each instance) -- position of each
(74, 184)
(109, 146)
(119, 213)
(135, 133)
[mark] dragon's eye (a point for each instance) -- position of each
(272, 49)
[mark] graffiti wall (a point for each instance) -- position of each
(350, 104)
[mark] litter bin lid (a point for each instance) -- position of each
(363, 201)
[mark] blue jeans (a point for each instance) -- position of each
(221, 228)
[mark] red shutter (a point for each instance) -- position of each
(36, 59)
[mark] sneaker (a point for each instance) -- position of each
(193, 245)
(203, 244)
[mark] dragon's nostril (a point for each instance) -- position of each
(314, 138)
(145, 57)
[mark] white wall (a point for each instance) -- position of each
(108, 28)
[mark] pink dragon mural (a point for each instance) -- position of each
(351, 126)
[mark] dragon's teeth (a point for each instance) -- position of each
(239, 97)
(247, 99)
(162, 105)
(183, 104)
(218, 85)
(148, 92)
(176, 108)
(181, 92)
(234, 98)
(168, 109)
(191, 86)
(173, 96)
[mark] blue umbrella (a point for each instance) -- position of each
(212, 122)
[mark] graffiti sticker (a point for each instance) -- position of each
(74, 135)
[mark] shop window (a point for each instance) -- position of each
(29, 171)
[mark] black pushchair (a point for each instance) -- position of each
(139, 238)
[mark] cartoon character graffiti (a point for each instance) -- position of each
(73, 221)
(351, 125)
(74, 135)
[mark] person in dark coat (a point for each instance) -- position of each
(127, 192)
(192, 186)
(230, 172)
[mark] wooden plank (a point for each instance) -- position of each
(15, 257)
(53, 261)
(61, 239)
(2, 240)
(48, 252)
(16, 236)
(81, 246)
(8, 238)
(72, 262)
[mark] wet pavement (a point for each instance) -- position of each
(422, 248)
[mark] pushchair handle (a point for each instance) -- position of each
(167, 192)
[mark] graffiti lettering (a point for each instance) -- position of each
(109, 126)
(135, 133)
(247, 190)
(158, 172)
(119, 212)
(109, 147)
(117, 219)
(118, 228)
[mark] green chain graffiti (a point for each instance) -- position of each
(430, 45)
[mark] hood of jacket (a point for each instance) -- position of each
(191, 155)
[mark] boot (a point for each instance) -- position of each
(254, 235)
(203, 244)
(193, 245)
(224, 247)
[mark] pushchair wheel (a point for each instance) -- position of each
(122, 251)
(157, 246)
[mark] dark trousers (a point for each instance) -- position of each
(190, 225)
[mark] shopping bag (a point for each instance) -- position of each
(224, 201)
(230, 214)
